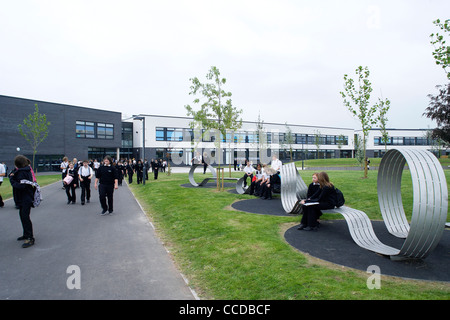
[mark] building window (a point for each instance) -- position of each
(85, 129)
(94, 130)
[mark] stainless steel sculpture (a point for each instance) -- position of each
(191, 175)
(211, 169)
(430, 200)
(240, 188)
(430, 205)
(293, 188)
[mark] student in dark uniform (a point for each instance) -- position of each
(155, 169)
(85, 174)
(24, 197)
(70, 187)
(106, 181)
(139, 169)
(130, 171)
(325, 197)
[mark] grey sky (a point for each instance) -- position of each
(284, 59)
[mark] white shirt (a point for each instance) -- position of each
(64, 166)
(85, 172)
(248, 169)
(2, 170)
(276, 164)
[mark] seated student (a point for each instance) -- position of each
(267, 172)
(256, 180)
(325, 197)
(248, 172)
(269, 185)
(259, 181)
(276, 164)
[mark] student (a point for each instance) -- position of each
(324, 198)
(256, 180)
(106, 181)
(70, 187)
(2, 174)
(63, 167)
(120, 169)
(276, 164)
(155, 169)
(25, 196)
(248, 172)
(139, 169)
(85, 174)
(268, 186)
(130, 171)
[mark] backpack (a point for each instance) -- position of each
(339, 198)
(37, 197)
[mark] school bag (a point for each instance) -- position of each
(339, 198)
(37, 197)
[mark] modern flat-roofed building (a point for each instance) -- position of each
(89, 133)
(73, 132)
(172, 137)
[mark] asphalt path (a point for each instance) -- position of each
(81, 255)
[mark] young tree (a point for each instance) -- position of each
(357, 100)
(317, 141)
(214, 112)
(34, 129)
(383, 107)
(289, 140)
(439, 107)
(441, 52)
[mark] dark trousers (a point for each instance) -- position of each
(155, 173)
(312, 213)
(245, 178)
(130, 177)
(24, 213)
(106, 191)
(85, 189)
(139, 177)
(70, 191)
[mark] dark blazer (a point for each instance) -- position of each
(24, 192)
(326, 196)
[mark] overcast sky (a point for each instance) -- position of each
(283, 59)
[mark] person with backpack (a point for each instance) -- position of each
(25, 197)
(324, 198)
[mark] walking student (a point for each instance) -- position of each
(2, 174)
(106, 181)
(70, 182)
(85, 174)
(24, 197)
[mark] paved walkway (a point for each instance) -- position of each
(118, 256)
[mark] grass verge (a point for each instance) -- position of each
(228, 254)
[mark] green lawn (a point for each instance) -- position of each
(350, 162)
(6, 189)
(228, 254)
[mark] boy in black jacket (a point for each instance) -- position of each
(24, 197)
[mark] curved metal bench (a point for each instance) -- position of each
(240, 187)
(191, 175)
(214, 177)
(429, 212)
(430, 200)
(293, 188)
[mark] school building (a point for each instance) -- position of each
(89, 133)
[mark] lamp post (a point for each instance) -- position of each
(142, 118)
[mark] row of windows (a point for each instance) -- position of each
(175, 134)
(403, 141)
(94, 130)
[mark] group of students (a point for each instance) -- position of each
(264, 180)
